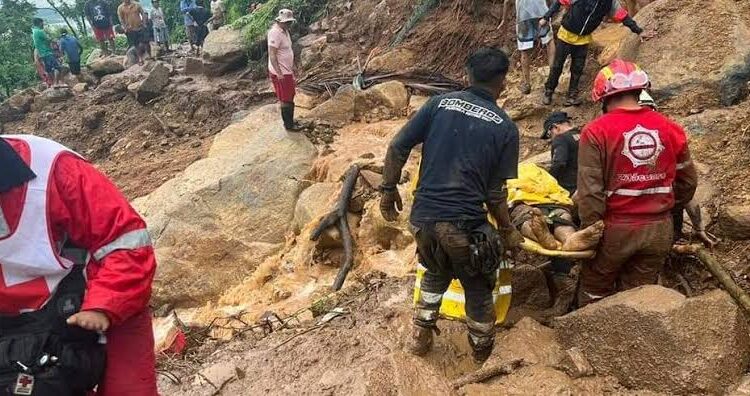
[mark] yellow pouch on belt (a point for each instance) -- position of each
(452, 306)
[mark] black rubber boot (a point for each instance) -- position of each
(421, 340)
(573, 99)
(547, 99)
(481, 352)
(287, 114)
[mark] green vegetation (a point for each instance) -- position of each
(16, 50)
(255, 25)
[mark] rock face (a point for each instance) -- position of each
(383, 100)
(215, 222)
(152, 86)
(109, 65)
(680, 25)
(398, 59)
(223, 51)
(735, 222)
(17, 105)
(654, 338)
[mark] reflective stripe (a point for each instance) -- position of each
(683, 165)
(431, 298)
(4, 229)
(129, 241)
(503, 290)
(637, 193)
(455, 297)
(426, 314)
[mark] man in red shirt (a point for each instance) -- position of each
(634, 166)
(52, 203)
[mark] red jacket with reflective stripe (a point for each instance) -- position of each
(633, 165)
(84, 205)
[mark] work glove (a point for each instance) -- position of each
(512, 239)
(390, 200)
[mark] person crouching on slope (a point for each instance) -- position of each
(76, 267)
(634, 166)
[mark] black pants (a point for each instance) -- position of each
(444, 251)
(578, 63)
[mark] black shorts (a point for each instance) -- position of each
(136, 37)
(75, 68)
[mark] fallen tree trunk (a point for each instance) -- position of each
(485, 373)
(718, 271)
(338, 217)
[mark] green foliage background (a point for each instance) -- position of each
(16, 50)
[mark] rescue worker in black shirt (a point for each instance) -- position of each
(470, 148)
(565, 139)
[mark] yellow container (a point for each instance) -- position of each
(452, 306)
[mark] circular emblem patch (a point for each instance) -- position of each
(642, 146)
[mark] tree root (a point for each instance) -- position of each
(338, 217)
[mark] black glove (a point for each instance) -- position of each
(389, 197)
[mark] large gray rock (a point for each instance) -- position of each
(654, 338)
(224, 50)
(735, 221)
(51, 95)
(109, 65)
(216, 221)
(154, 84)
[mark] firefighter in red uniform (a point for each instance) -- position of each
(76, 267)
(634, 166)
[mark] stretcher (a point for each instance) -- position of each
(452, 305)
(534, 247)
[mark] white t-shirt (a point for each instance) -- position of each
(281, 40)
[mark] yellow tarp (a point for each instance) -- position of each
(535, 186)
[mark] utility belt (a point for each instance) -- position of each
(486, 247)
(41, 355)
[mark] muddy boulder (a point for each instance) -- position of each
(104, 66)
(214, 223)
(154, 84)
(392, 95)
(395, 60)
(338, 110)
(223, 51)
(16, 107)
(313, 202)
(51, 95)
(735, 222)
(653, 338)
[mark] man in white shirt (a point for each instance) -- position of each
(528, 31)
(281, 67)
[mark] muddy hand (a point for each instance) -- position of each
(390, 205)
(90, 320)
(512, 240)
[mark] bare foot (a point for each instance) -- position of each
(585, 239)
(541, 231)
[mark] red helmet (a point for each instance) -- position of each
(619, 76)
